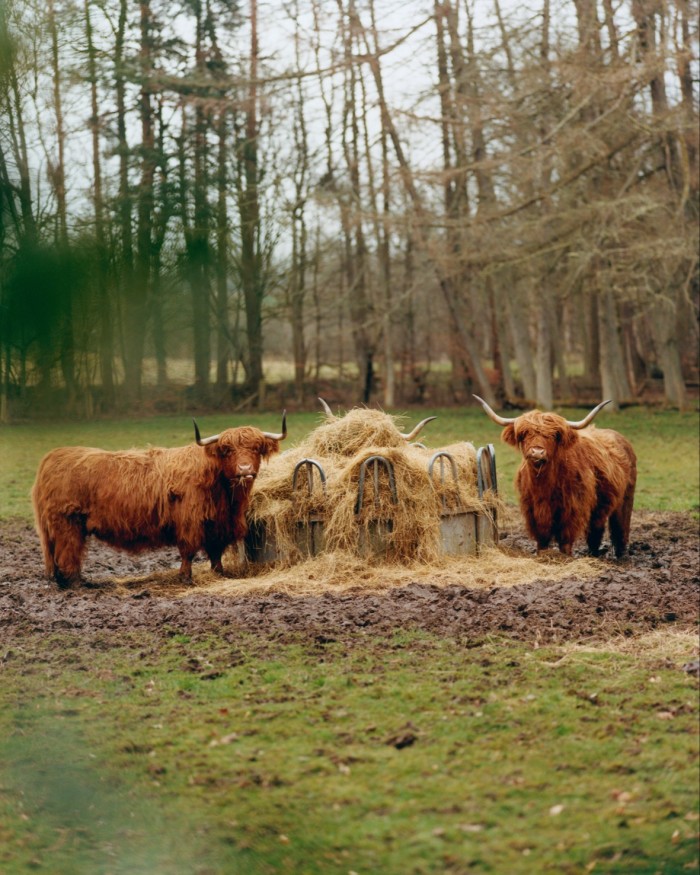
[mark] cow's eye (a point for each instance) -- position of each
(521, 437)
(557, 436)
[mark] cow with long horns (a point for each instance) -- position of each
(194, 498)
(573, 479)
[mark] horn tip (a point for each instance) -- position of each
(326, 409)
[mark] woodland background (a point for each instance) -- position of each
(385, 201)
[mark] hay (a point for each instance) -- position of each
(340, 572)
(341, 446)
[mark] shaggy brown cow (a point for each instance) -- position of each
(192, 497)
(573, 479)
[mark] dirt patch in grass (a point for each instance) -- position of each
(657, 586)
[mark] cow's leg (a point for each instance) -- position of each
(620, 522)
(566, 536)
(596, 526)
(214, 545)
(47, 547)
(67, 543)
(187, 555)
(215, 554)
(594, 538)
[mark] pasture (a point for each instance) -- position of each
(546, 726)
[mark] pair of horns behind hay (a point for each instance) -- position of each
(406, 435)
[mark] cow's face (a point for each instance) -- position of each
(539, 437)
(239, 452)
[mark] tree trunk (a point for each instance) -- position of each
(137, 294)
(251, 270)
(517, 314)
(223, 344)
(198, 250)
(544, 395)
(57, 175)
(613, 371)
(106, 333)
(665, 330)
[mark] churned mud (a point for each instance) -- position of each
(657, 585)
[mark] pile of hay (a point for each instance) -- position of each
(340, 572)
(340, 446)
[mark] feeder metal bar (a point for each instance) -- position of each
(486, 477)
(442, 455)
(309, 465)
(375, 460)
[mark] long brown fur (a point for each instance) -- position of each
(192, 497)
(588, 479)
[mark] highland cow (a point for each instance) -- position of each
(573, 479)
(193, 497)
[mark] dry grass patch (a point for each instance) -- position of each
(341, 572)
(673, 645)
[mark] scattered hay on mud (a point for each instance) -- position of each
(341, 447)
(341, 572)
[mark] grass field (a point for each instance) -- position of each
(149, 753)
(666, 443)
(402, 755)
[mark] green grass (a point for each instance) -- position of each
(179, 756)
(666, 443)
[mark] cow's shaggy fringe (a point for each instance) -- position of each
(341, 446)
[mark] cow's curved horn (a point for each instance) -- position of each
(203, 442)
(411, 434)
(283, 434)
(326, 409)
(499, 420)
(582, 423)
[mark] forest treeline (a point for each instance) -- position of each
(502, 198)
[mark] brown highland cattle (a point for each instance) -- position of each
(193, 497)
(573, 479)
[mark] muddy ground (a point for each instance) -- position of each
(657, 585)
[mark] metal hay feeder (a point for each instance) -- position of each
(463, 532)
(310, 532)
(458, 529)
(374, 537)
(487, 524)
(261, 543)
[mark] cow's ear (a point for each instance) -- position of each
(269, 447)
(566, 436)
(508, 435)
